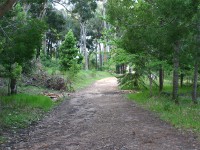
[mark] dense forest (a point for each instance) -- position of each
(160, 36)
(151, 46)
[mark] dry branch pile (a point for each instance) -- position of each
(42, 79)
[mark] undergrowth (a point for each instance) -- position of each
(185, 115)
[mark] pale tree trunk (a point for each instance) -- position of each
(83, 26)
(175, 72)
(96, 55)
(6, 6)
(100, 57)
(150, 85)
(43, 12)
(26, 8)
(81, 40)
(195, 83)
(105, 27)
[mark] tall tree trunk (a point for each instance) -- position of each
(100, 58)
(105, 28)
(195, 83)
(175, 72)
(181, 79)
(117, 69)
(84, 45)
(38, 52)
(26, 8)
(43, 12)
(150, 86)
(81, 39)
(161, 78)
(6, 6)
(13, 86)
(96, 56)
(48, 48)
(196, 66)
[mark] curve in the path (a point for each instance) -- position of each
(100, 118)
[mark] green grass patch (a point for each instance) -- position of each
(186, 115)
(85, 78)
(19, 111)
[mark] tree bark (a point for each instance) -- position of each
(150, 85)
(96, 56)
(105, 28)
(38, 52)
(175, 72)
(195, 83)
(84, 45)
(196, 66)
(13, 86)
(181, 79)
(161, 79)
(100, 58)
(6, 6)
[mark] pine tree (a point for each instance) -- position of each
(68, 52)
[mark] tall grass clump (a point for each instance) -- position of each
(19, 111)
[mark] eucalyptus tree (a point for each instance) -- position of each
(85, 10)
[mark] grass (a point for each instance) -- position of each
(19, 111)
(186, 115)
(85, 78)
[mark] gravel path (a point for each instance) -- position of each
(100, 118)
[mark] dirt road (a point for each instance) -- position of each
(100, 118)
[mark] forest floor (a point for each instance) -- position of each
(101, 118)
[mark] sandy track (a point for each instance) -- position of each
(100, 118)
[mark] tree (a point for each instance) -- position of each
(158, 28)
(69, 55)
(19, 45)
(6, 6)
(196, 51)
(56, 23)
(85, 9)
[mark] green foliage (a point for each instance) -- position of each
(24, 41)
(69, 56)
(156, 34)
(85, 8)
(16, 71)
(49, 63)
(131, 81)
